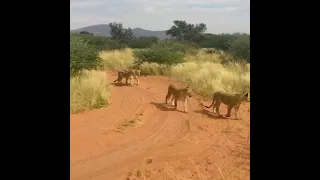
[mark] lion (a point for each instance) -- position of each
(178, 94)
(136, 74)
(128, 75)
(231, 100)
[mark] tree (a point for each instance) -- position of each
(181, 30)
(128, 34)
(120, 34)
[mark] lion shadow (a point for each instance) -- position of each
(210, 114)
(165, 107)
(120, 84)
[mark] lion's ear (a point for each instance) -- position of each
(247, 94)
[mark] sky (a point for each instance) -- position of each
(220, 16)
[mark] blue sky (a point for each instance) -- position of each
(220, 16)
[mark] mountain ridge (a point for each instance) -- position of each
(104, 30)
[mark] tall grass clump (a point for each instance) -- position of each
(89, 91)
(117, 59)
(207, 77)
(203, 56)
(205, 72)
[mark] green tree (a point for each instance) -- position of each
(83, 56)
(181, 30)
(240, 48)
(120, 34)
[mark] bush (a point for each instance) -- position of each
(89, 91)
(240, 48)
(163, 52)
(160, 56)
(140, 43)
(183, 47)
(100, 42)
(83, 56)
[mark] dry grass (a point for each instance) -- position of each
(203, 72)
(89, 91)
(116, 60)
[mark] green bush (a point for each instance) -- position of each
(163, 52)
(140, 43)
(100, 42)
(160, 56)
(83, 56)
(181, 47)
(240, 48)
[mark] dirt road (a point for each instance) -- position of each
(138, 137)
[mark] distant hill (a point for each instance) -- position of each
(104, 30)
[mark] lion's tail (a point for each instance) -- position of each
(211, 104)
(119, 74)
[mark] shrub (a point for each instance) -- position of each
(89, 91)
(163, 52)
(240, 48)
(158, 55)
(100, 42)
(83, 56)
(140, 43)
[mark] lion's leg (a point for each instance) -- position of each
(137, 78)
(126, 80)
(217, 106)
(167, 98)
(236, 110)
(214, 108)
(131, 81)
(185, 105)
(175, 102)
(172, 100)
(229, 111)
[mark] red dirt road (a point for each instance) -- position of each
(163, 144)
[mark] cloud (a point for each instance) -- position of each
(219, 15)
(149, 9)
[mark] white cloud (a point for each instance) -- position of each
(232, 16)
(149, 9)
(86, 4)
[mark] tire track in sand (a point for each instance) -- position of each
(151, 137)
(162, 119)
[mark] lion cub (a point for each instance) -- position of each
(129, 74)
(178, 94)
(231, 100)
(136, 74)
